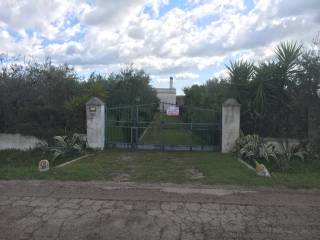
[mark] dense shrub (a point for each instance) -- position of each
(45, 100)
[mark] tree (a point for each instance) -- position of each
(194, 96)
(130, 87)
(272, 93)
(33, 96)
(217, 91)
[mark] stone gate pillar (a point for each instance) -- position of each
(230, 124)
(95, 110)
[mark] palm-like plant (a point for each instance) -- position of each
(240, 71)
(268, 89)
(273, 82)
(287, 54)
(240, 74)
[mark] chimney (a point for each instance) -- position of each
(171, 82)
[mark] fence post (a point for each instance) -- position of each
(230, 124)
(95, 111)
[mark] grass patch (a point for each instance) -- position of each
(170, 130)
(155, 167)
(15, 164)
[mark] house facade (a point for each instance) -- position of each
(167, 96)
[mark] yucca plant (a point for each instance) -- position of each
(65, 145)
(288, 54)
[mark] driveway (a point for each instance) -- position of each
(104, 210)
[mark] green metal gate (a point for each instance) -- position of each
(147, 126)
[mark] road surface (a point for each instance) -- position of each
(104, 210)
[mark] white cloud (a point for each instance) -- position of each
(47, 18)
(187, 75)
(108, 13)
(105, 34)
(221, 74)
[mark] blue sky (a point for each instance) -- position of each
(191, 40)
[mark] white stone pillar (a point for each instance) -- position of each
(230, 124)
(95, 110)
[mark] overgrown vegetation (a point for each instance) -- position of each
(46, 100)
(277, 93)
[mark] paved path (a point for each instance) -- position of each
(100, 210)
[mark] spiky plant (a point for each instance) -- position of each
(240, 74)
(287, 153)
(287, 54)
(252, 147)
(65, 145)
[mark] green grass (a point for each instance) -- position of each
(16, 164)
(171, 132)
(154, 167)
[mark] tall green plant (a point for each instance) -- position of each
(240, 74)
(268, 90)
(287, 54)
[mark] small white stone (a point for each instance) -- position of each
(43, 165)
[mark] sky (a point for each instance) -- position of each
(191, 40)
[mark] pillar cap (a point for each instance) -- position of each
(231, 102)
(95, 101)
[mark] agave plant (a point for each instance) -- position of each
(252, 147)
(65, 145)
(288, 153)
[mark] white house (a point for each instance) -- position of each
(167, 96)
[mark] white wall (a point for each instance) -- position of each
(166, 95)
(19, 142)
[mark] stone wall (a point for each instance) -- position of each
(19, 142)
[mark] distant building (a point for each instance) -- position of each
(167, 96)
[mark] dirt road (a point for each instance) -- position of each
(102, 210)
